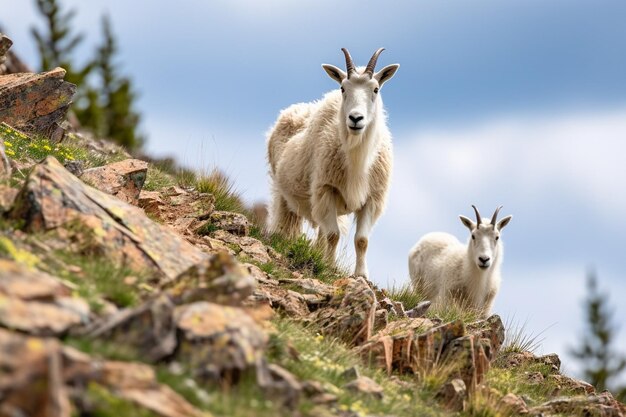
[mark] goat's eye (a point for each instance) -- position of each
(473, 237)
(343, 90)
(376, 90)
(497, 237)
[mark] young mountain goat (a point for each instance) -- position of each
(333, 157)
(445, 270)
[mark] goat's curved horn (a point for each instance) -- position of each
(478, 219)
(372, 64)
(349, 63)
(495, 216)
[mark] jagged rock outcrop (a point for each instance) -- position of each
(350, 314)
(36, 102)
(219, 278)
(54, 199)
(149, 328)
(123, 179)
(418, 346)
(453, 395)
(219, 342)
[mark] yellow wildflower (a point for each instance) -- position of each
(10, 152)
(47, 148)
(8, 144)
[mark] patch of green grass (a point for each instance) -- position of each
(517, 381)
(185, 177)
(326, 359)
(21, 147)
(206, 229)
(103, 403)
(99, 278)
(301, 254)
(103, 349)
(156, 179)
(19, 255)
(222, 188)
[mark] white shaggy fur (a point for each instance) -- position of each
(333, 157)
(444, 270)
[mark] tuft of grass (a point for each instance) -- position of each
(406, 294)
(185, 177)
(21, 147)
(156, 179)
(518, 339)
(222, 188)
(455, 311)
(301, 254)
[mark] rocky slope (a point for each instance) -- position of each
(127, 290)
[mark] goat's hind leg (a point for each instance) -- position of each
(284, 221)
(325, 215)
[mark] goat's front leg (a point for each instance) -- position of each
(365, 218)
(324, 212)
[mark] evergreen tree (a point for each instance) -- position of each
(120, 120)
(57, 42)
(107, 110)
(601, 362)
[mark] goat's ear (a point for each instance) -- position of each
(468, 223)
(334, 72)
(503, 222)
(386, 73)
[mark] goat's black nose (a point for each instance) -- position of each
(355, 119)
(483, 260)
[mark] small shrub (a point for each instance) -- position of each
(518, 339)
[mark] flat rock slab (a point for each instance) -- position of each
(36, 102)
(18, 281)
(123, 179)
(52, 198)
(36, 303)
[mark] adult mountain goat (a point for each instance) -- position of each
(333, 157)
(443, 270)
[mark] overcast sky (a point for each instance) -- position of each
(520, 103)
